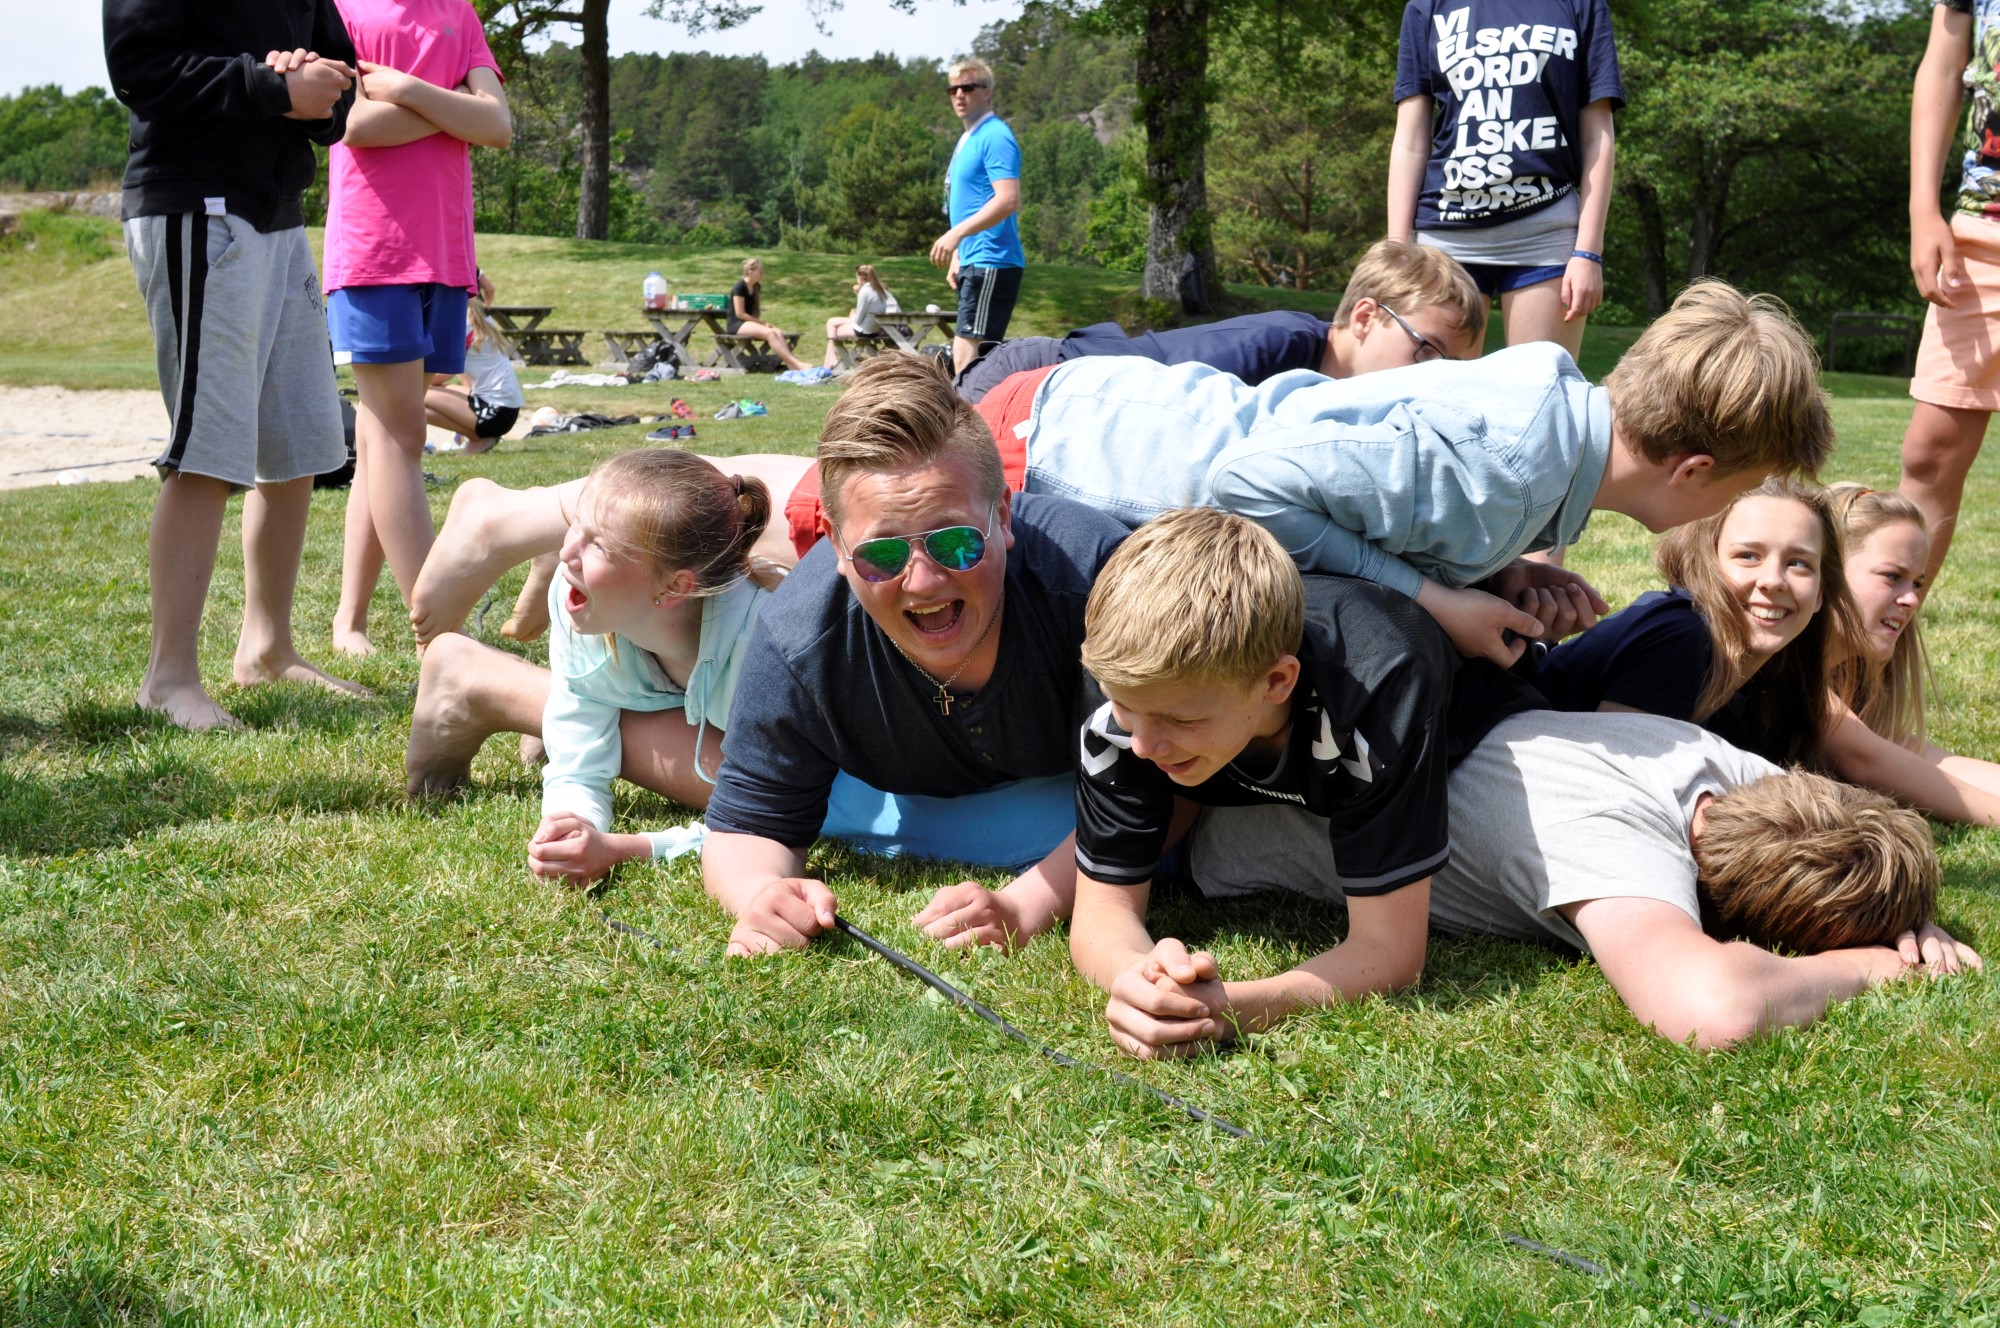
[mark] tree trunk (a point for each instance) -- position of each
(1173, 104)
(1652, 243)
(1707, 212)
(593, 199)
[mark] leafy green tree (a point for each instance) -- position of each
(1290, 208)
(883, 185)
(1067, 166)
(1765, 141)
(49, 140)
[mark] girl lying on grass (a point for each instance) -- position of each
(1879, 672)
(657, 586)
(490, 528)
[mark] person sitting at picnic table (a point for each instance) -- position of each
(871, 300)
(746, 310)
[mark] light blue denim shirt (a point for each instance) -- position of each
(1449, 470)
(594, 679)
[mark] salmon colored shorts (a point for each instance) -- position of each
(1005, 409)
(1958, 363)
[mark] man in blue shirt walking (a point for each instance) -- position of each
(982, 250)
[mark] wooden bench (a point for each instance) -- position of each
(851, 350)
(734, 350)
(551, 345)
(1850, 326)
(624, 345)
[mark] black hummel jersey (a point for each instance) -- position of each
(1374, 729)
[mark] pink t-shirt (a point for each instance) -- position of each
(402, 215)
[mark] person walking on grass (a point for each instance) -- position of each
(981, 253)
(227, 100)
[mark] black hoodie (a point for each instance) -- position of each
(208, 116)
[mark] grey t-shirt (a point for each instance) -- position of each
(1552, 808)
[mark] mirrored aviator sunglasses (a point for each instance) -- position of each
(954, 548)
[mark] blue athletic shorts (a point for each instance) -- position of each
(986, 298)
(395, 324)
(1495, 279)
(1011, 827)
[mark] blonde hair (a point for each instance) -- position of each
(972, 64)
(676, 511)
(484, 333)
(866, 275)
(1888, 698)
(1809, 864)
(1195, 594)
(1793, 711)
(900, 411)
(1407, 277)
(752, 265)
(1728, 376)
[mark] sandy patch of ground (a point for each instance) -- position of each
(51, 435)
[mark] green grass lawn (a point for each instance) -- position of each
(278, 1047)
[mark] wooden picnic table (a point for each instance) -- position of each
(910, 328)
(675, 326)
(514, 318)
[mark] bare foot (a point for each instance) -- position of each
(461, 566)
(254, 671)
(532, 751)
(350, 642)
(531, 607)
(186, 706)
(444, 733)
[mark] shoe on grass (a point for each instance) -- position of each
(729, 411)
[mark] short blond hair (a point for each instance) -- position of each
(900, 411)
(971, 64)
(1408, 276)
(1195, 595)
(1806, 863)
(1725, 375)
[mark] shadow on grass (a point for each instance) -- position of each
(102, 809)
(85, 1292)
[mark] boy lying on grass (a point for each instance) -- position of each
(1653, 846)
(1218, 675)
(1313, 726)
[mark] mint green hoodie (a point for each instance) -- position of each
(593, 680)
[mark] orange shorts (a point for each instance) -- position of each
(1958, 362)
(1005, 407)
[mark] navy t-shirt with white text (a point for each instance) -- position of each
(1509, 79)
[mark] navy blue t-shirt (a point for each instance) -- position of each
(1652, 655)
(1253, 347)
(823, 690)
(1509, 79)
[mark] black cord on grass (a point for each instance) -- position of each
(1042, 1049)
(959, 997)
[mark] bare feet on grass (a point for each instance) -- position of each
(256, 670)
(185, 705)
(462, 565)
(350, 641)
(446, 728)
(531, 607)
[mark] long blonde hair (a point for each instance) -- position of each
(1889, 698)
(866, 275)
(1792, 705)
(484, 333)
(676, 511)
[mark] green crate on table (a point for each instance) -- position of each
(704, 301)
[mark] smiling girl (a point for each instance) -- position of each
(1879, 674)
(1740, 643)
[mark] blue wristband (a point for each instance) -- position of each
(1585, 253)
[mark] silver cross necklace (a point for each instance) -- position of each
(943, 698)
